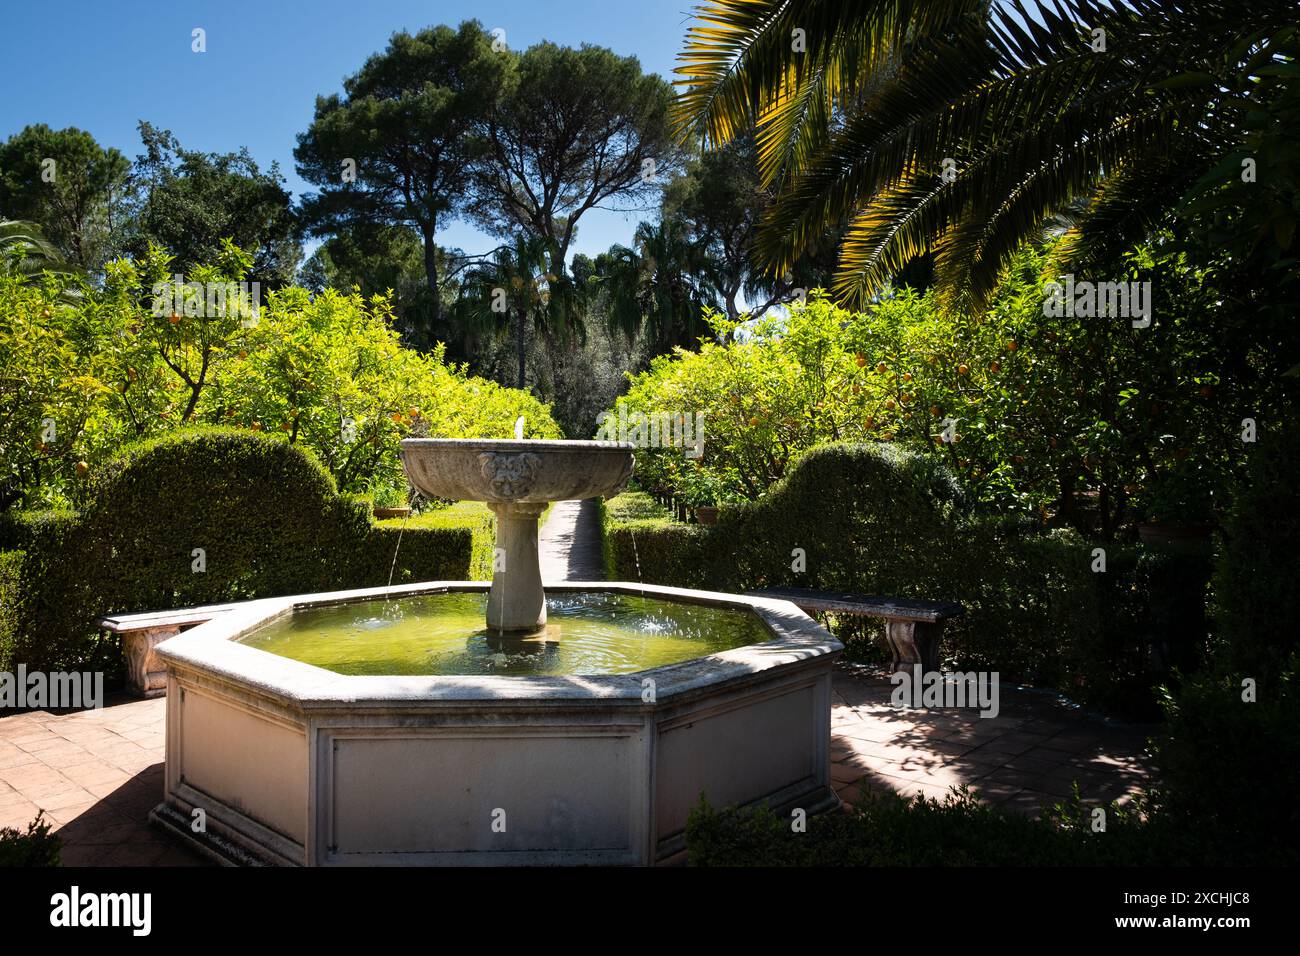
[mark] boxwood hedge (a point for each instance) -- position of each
(196, 517)
(881, 520)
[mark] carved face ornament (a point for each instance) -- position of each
(509, 476)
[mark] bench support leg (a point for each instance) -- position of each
(912, 643)
(146, 675)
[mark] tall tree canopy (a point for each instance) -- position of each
(397, 147)
(578, 128)
(515, 287)
(68, 185)
(193, 202)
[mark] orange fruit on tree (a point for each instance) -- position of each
(962, 369)
(860, 359)
(1012, 346)
(882, 368)
(994, 367)
(82, 468)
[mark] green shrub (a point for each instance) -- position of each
(327, 371)
(1062, 419)
(266, 515)
(472, 517)
(264, 512)
(11, 570)
(56, 587)
(881, 520)
(1229, 769)
(890, 830)
(1257, 576)
(642, 542)
(36, 846)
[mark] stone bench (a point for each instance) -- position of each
(912, 628)
(141, 633)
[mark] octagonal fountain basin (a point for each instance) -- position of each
(389, 726)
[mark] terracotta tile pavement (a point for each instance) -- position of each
(97, 774)
(1027, 756)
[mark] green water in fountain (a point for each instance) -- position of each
(587, 633)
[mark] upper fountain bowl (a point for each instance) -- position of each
(490, 470)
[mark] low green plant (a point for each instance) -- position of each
(388, 496)
(1227, 766)
(889, 830)
(34, 846)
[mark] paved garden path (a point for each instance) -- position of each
(569, 543)
(96, 774)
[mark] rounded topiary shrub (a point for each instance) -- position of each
(210, 515)
(200, 516)
(866, 517)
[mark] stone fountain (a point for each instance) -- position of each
(517, 479)
(382, 727)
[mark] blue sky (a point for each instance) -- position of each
(104, 66)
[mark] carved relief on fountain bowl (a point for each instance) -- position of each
(528, 471)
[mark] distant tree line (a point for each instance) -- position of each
(445, 124)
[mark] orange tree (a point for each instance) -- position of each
(1091, 419)
(85, 369)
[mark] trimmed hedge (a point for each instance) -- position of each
(266, 515)
(640, 541)
(877, 519)
(472, 516)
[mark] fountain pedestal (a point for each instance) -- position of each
(517, 479)
(516, 601)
